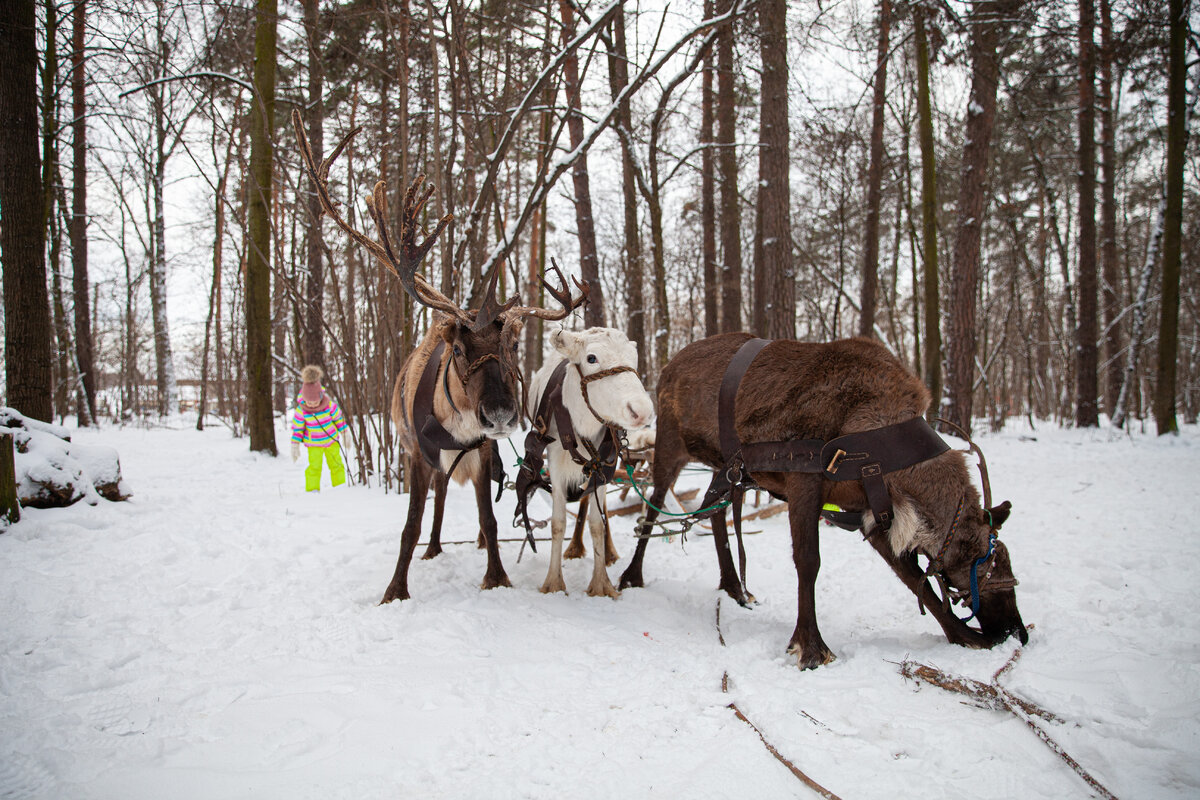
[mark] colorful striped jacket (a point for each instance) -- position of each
(318, 428)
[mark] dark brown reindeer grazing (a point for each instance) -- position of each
(457, 391)
(799, 397)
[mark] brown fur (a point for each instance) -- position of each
(496, 379)
(796, 390)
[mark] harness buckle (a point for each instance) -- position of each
(833, 462)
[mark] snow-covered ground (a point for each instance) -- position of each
(218, 636)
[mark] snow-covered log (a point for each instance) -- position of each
(51, 471)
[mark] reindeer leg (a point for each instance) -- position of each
(670, 457)
(434, 548)
(495, 575)
(729, 576)
(804, 512)
(558, 524)
(398, 588)
(906, 569)
(576, 549)
(600, 586)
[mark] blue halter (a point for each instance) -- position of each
(975, 575)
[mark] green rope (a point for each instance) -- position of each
(715, 507)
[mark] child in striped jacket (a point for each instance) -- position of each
(317, 423)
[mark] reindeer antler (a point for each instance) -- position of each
(405, 265)
(490, 309)
(562, 295)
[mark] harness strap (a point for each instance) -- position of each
(529, 477)
(727, 398)
(432, 436)
(599, 462)
(584, 380)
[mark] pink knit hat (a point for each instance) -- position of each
(311, 392)
(310, 389)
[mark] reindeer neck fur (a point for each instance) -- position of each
(464, 427)
(925, 497)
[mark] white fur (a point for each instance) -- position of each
(619, 399)
(908, 530)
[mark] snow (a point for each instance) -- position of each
(218, 635)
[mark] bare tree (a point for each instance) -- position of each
(1086, 380)
(80, 283)
(932, 361)
(774, 284)
(632, 250)
(731, 217)
(708, 210)
(989, 19)
(589, 262)
(870, 272)
(258, 265)
(27, 329)
(1109, 267)
(1177, 131)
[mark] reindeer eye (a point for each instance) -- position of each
(457, 350)
(592, 359)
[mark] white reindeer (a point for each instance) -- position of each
(600, 388)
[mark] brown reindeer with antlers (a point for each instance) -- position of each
(457, 391)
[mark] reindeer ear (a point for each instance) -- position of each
(999, 514)
(564, 341)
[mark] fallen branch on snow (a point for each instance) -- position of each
(993, 695)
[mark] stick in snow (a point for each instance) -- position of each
(995, 696)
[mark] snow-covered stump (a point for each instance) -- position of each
(10, 507)
(50, 471)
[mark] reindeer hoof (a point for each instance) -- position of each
(432, 552)
(611, 557)
(491, 583)
(574, 550)
(393, 593)
(550, 587)
(602, 589)
(735, 593)
(819, 656)
(631, 578)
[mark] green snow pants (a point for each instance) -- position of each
(337, 470)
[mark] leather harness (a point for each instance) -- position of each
(866, 456)
(432, 436)
(598, 459)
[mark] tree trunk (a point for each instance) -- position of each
(1177, 132)
(731, 220)
(589, 263)
(708, 211)
(50, 219)
(81, 285)
(988, 19)
(1140, 313)
(870, 274)
(933, 324)
(634, 274)
(10, 505)
(1086, 354)
(314, 295)
(27, 330)
(1109, 268)
(774, 285)
(258, 268)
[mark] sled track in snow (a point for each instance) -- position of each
(991, 695)
(799, 773)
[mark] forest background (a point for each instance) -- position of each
(1001, 191)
